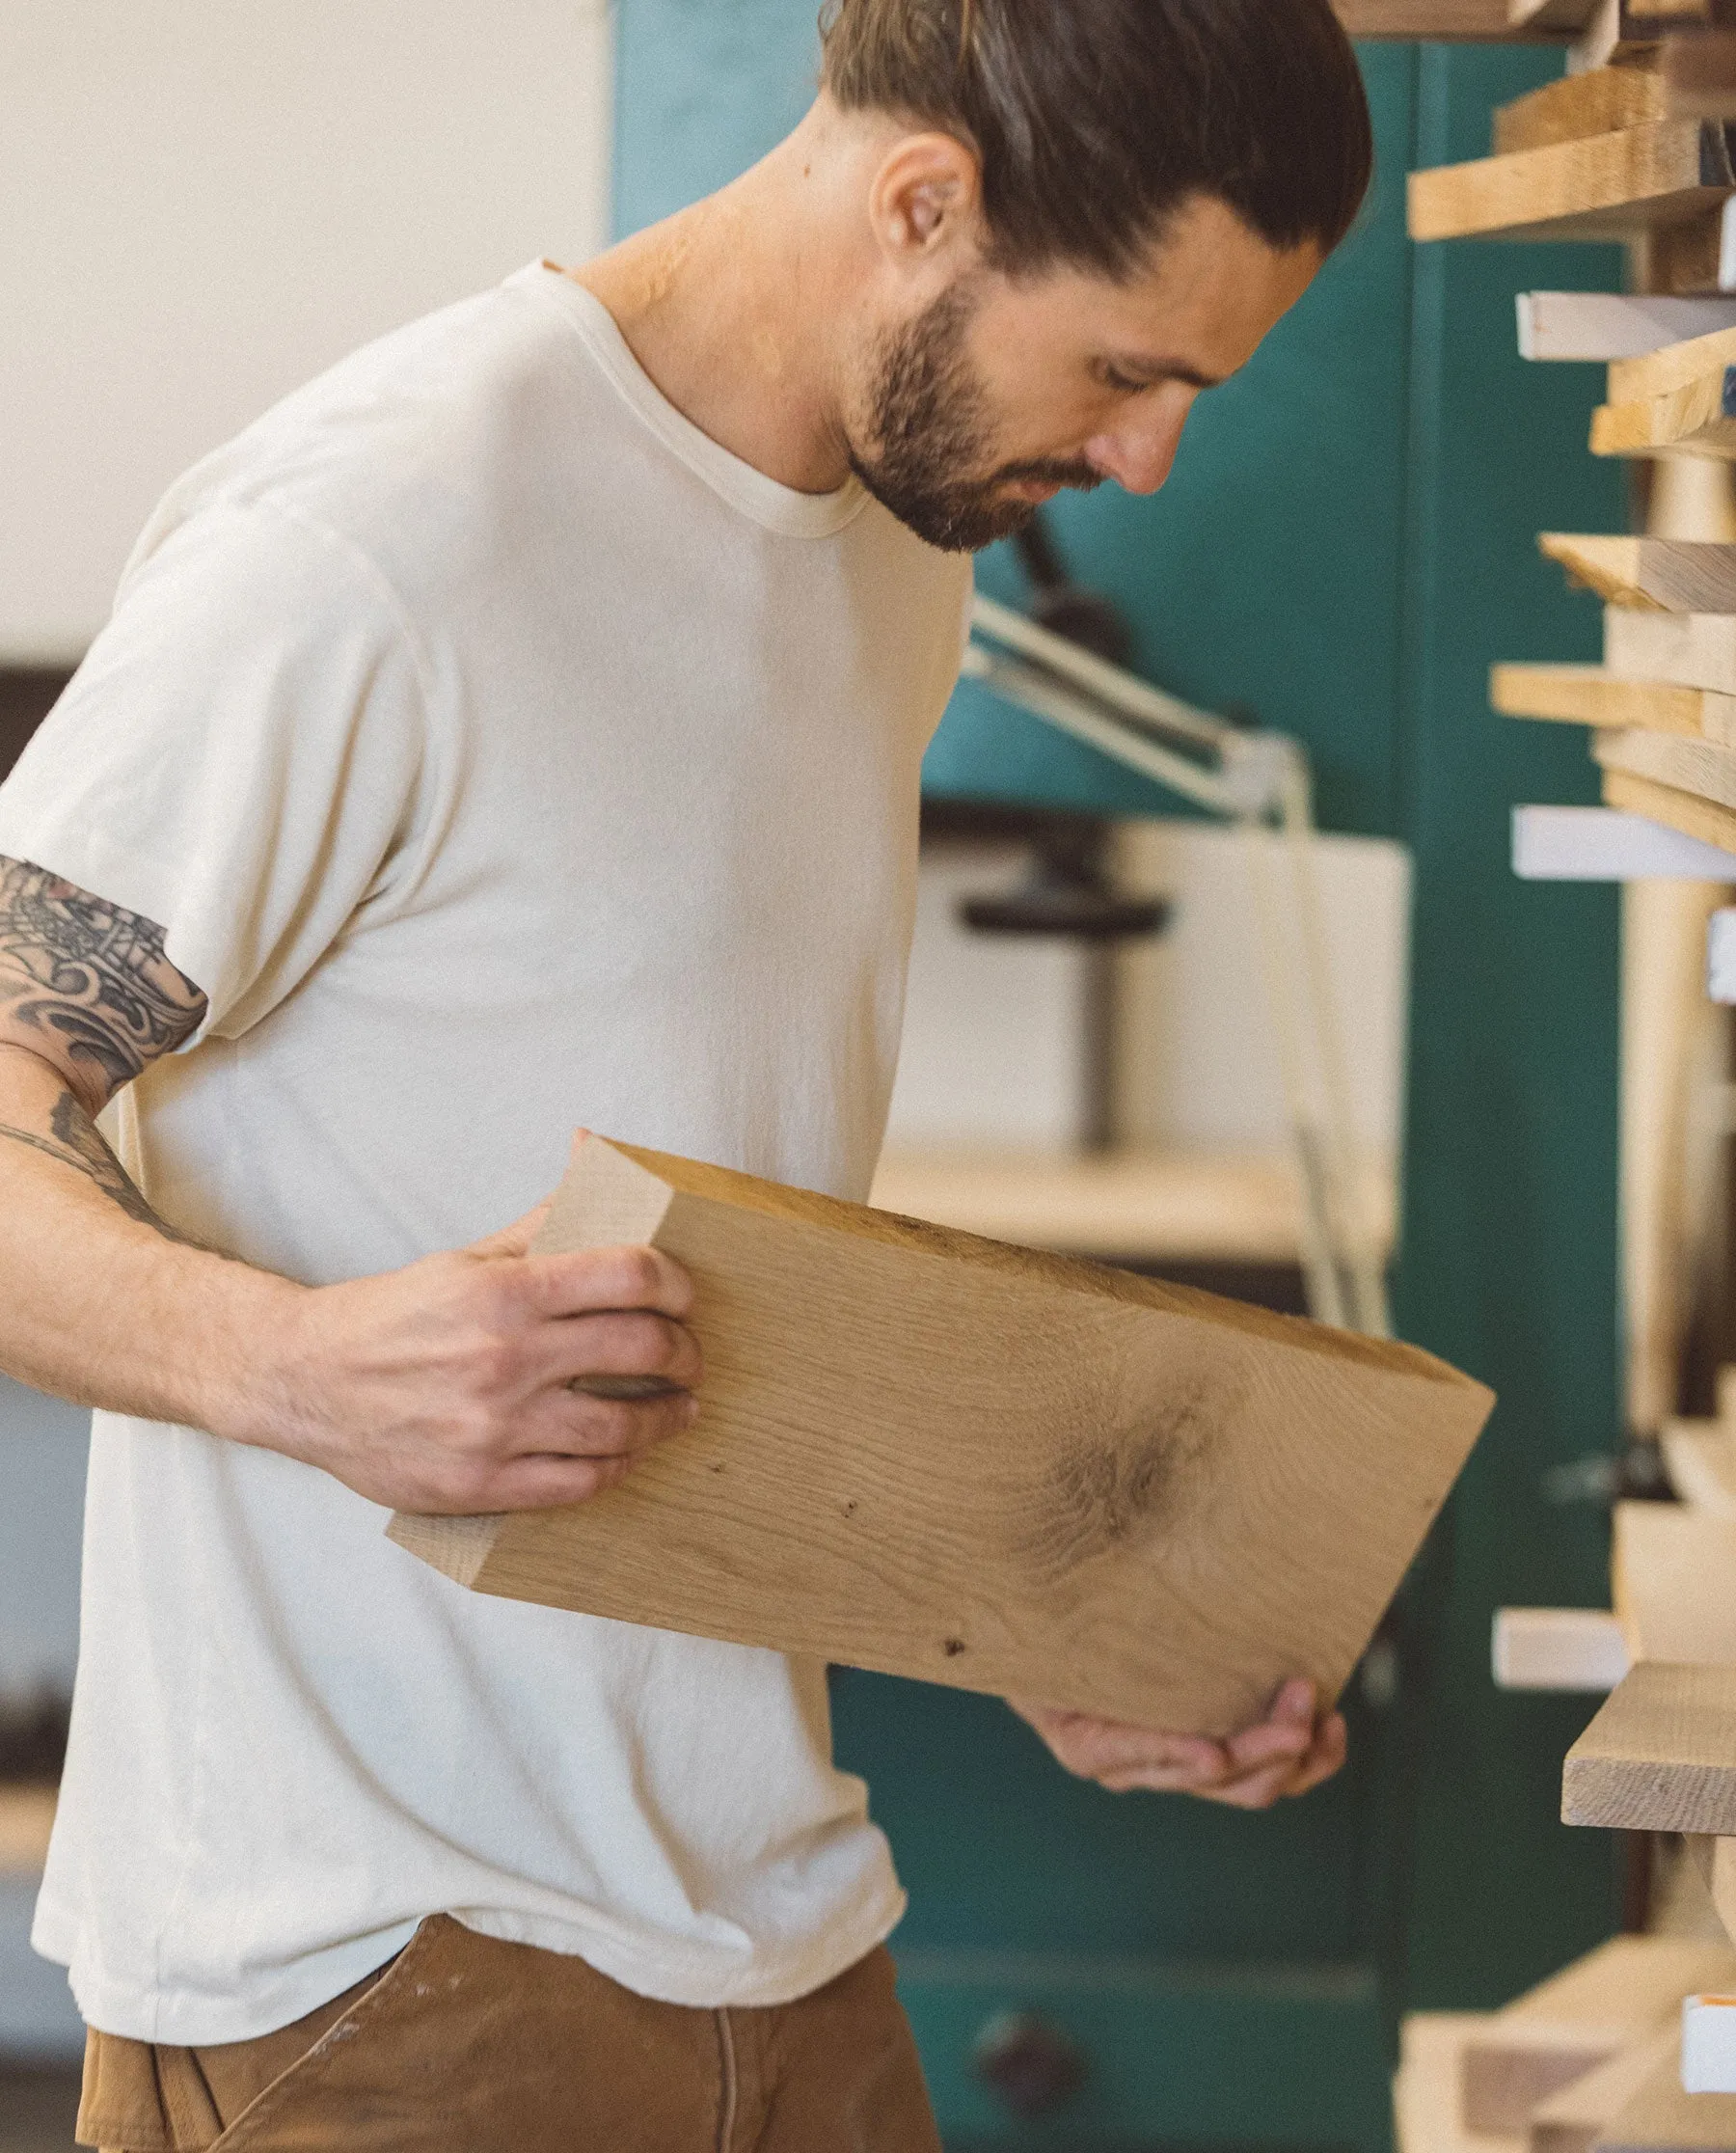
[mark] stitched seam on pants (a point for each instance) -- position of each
(726, 2104)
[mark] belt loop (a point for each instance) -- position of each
(727, 2106)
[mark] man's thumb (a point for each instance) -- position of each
(514, 1240)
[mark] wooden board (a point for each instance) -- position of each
(1673, 1571)
(1699, 767)
(1700, 1459)
(1606, 326)
(1571, 2121)
(1598, 101)
(1543, 2042)
(1700, 76)
(1593, 695)
(1659, 1755)
(1557, 1649)
(938, 1455)
(1715, 1858)
(1446, 22)
(1686, 813)
(1136, 1206)
(1654, 373)
(1673, 574)
(1686, 651)
(1425, 2086)
(1607, 186)
(1659, 2118)
(1697, 420)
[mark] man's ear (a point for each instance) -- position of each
(925, 199)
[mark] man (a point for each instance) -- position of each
(519, 727)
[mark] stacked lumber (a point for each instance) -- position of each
(1582, 2064)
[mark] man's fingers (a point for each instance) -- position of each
(580, 1281)
(574, 1424)
(514, 1240)
(537, 1483)
(1268, 1743)
(1324, 1759)
(621, 1343)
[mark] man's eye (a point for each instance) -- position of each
(1122, 384)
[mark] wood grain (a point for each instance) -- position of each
(1698, 418)
(1659, 2118)
(1676, 574)
(1686, 813)
(939, 1456)
(1674, 1574)
(1425, 2086)
(1578, 2018)
(1572, 2120)
(1599, 102)
(1685, 650)
(1659, 1755)
(1697, 767)
(1654, 373)
(1594, 696)
(1700, 1459)
(1605, 186)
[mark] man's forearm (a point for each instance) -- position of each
(101, 1300)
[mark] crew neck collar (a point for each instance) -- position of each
(778, 508)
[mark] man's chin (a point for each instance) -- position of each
(950, 523)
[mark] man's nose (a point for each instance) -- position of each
(1138, 454)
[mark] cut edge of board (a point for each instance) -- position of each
(703, 1183)
(456, 1547)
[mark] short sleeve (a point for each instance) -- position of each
(238, 756)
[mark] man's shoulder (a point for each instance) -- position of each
(407, 451)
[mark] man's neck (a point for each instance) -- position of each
(730, 308)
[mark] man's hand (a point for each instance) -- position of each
(452, 1384)
(1285, 1753)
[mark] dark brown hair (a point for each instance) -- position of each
(1094, 118)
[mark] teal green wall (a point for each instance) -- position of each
(1344, 547)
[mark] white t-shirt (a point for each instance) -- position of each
(501, 756)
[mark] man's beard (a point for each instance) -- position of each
(929, 422)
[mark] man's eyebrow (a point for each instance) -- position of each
(1150, 371)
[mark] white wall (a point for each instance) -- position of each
(202, 203)
(991, 1056)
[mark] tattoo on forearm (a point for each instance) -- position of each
(91, 977)
(77, 1142)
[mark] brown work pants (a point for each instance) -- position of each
(464, 2044)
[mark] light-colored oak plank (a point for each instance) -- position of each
(1659, 2118)
(1659, 1755)
(1685, 650)
(1675, 574)
(1715, 1858)
(1654, 373)
(1674, 1574)
(1136, 1206)
(1441, 22)
(939, 1456)
(1598, 101)
(1578, 2018)
(1701, 768)
(1698, 418)
(1594, 696)
(1700, 1458)
(1425, 2086)
(1686, 813)
(1571, 2121)
(1606, 186)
